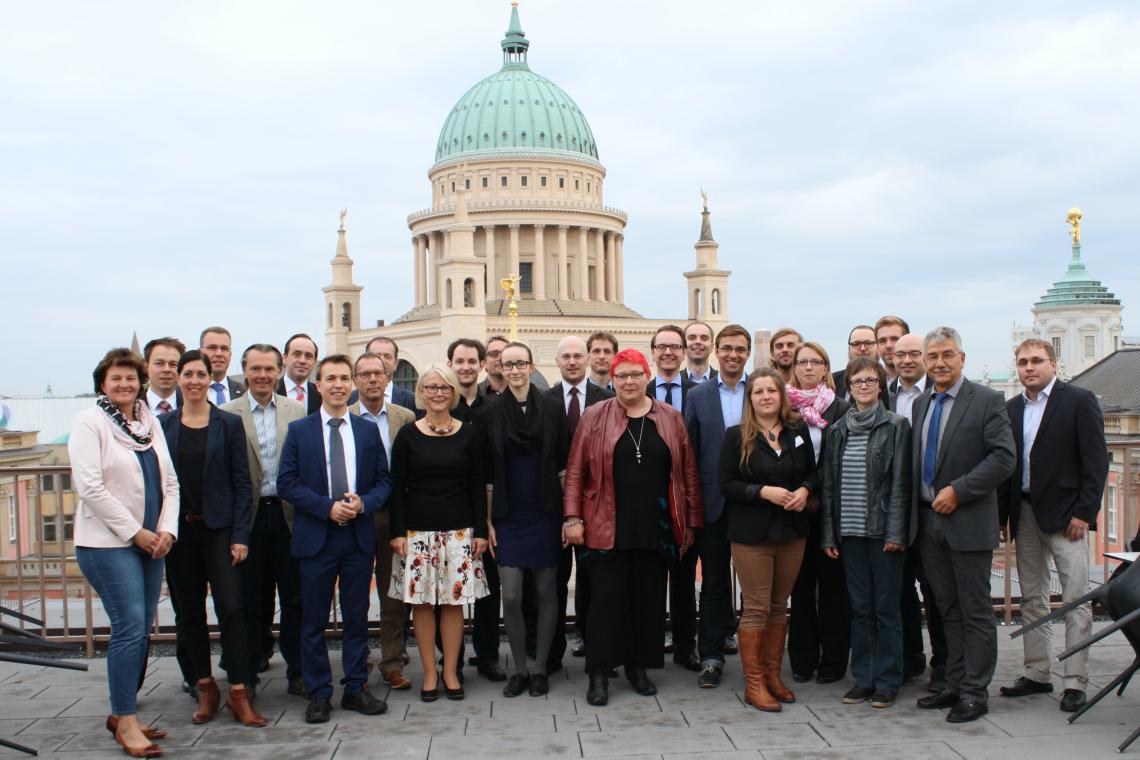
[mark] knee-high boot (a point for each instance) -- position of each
(756, 690)
(774, 640)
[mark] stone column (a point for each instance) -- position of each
(583, 265)
(599, 265)
(514, 265)
(563, 280)
(539, 270)
(489, 247)
(431, 282)
(611, 268)
(419, 244)
(620, 264)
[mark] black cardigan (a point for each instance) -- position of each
(555, 452)
(749, 516)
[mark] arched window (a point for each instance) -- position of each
(405, 376)
(330, 315)
(697, 305)
(468, 293)
(715, 301)
(447, 294)
(346, 315)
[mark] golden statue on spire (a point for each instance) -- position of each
(1074, 220)
(510, 285)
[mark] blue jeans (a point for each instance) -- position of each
(128, 582)
(874, 581)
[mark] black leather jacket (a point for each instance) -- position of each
(888, 478)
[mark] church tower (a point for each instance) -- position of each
(342, 298)
(708, 285)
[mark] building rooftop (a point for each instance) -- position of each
(1115, 380)
(1077, 288)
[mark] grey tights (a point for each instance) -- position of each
(511, 582)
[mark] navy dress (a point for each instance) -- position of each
(527, 537)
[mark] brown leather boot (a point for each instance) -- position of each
(775, 638)
(208, 700)
(755, 691)
(242, 709)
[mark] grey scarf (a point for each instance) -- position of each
(861, 422)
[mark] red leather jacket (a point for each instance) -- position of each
(588, 492)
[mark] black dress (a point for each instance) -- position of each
(640, 487)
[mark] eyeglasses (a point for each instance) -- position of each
(663, 347)
(810, 362)
(862, 344)
(621, 377)
(912, 355)
(742, 350)
(520, 364)
(437, 390)
(493, 354)
(865, 382)
(371, 374)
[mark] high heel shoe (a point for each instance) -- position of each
(208, 700)
(430, 695)
(150, 750)
(242, 709)
(150, 733)
(453, 694)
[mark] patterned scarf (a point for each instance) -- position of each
(137, 435)
(812, 404)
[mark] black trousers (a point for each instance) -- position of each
(581, 594)
(201, 556)
(819, 622)
(530, 609)
(683, 604)
(485, 630)
(180, 654)
(627, 609)
(914, 657)
(270, 570)
(715, 552)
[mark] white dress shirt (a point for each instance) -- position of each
(581, 395)
(291, 389)
(212, 392)
(349, 451)
(153, 400)
(1030, 423)
(381, 421)
(905, 397)
(265, 422)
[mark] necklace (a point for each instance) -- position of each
(442, 430)
(637, 441)
(770, 432)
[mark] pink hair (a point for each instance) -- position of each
(630, 356)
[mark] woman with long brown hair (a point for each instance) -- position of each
(767, 473)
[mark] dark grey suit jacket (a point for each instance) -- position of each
(705, 421)
(975, 456)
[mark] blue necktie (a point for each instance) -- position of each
(930, 455)
(219, 393)
(669, 393)
(338, 479)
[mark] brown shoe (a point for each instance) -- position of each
(772, 651)
(147, 750)
(150, 733)
(242, 709)
(756, 690)
(396, 680)
(208, 700)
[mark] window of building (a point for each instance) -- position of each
(1057, 347)
(47, 483)
(587, 187)
(12, 530)
(1090, 346)
(714, 301)
(1110, 510)
(542, 181)
(405, 375)
(49, 529)
(577, 185)
(69, 527)
(346, 315)
(485, 183)
(522, 181)
(466, 184)
(697, 304)
(65, 481)
(503, 181)
(526, 277)
(561, 183)
(453, 187)
(468, 292)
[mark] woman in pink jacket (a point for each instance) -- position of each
(125, 524)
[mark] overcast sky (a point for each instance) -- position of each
(168, 165)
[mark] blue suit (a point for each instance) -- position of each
(329, 552)
(705, 420)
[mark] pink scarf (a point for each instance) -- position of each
(812, 404)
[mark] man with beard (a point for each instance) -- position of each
(782, 350)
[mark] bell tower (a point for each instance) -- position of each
(342, 297)
(708, 284)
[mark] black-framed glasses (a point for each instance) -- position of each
(437, 390)
(621, 377)
(742, 350)
(865, 382)
(914, 356)
(520, 364)
(674, 347)
(494, 354)
(862, 344)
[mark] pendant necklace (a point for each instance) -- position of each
(637, 441)
(770, 434)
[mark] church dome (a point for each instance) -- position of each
(1077, 288)
(515, 110)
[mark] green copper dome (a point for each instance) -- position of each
(1077, 288)
(515, 110)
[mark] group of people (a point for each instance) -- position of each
(837, 490)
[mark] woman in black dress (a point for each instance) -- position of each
(529, 445)
(438, 524)
(209, 452)
(633, 498)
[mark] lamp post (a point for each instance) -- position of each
(510, 285)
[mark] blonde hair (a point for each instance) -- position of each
(448, 376)
(749, 425)
(827, 380)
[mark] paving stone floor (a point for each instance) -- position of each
(61, 713)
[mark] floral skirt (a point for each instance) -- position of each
(440, 568)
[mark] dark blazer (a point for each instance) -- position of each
(1067, 466)
(302, 480)
(226, 494)
(236, 385)
(594, 394)
(312, 395)
(555, 450)
(975, 455)
(712, 376)
(840, 379)
(705, 422)
(686, 386)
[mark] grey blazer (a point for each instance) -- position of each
(288, 410)
(975, 456)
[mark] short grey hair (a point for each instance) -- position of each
(942, 335)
